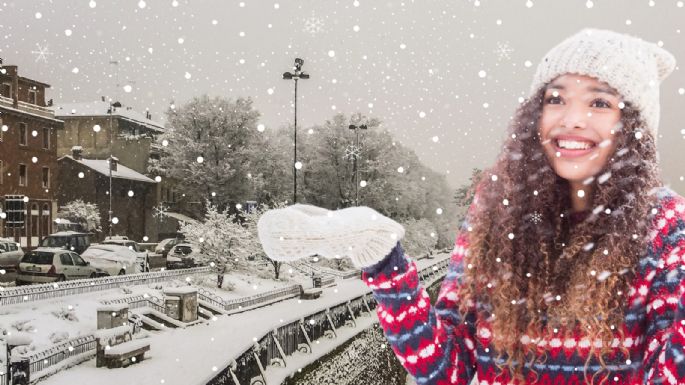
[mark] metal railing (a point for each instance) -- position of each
(261, 298)
(139, 301)
(44, 359)
(274, 347)
(23, 294)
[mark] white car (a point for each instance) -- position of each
(10, 254)
(44, 265)
(143, 258)
(112, 259)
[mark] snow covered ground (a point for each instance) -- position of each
(177, 356)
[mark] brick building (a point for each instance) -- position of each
(28, 159)
(133, 135)
(133, 194)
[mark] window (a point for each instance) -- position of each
(23, 134)
(66, 259)
(78, 260)
(46, 177)
(6, 90)
(33, 97)
(46, 138)
(23, 175)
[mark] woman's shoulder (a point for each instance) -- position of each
(669, 213)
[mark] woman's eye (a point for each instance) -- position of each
(553, 100)
(601, 103)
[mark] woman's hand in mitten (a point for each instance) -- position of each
(299, 231)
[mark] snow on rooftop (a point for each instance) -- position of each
(100, 108)
(122, 172)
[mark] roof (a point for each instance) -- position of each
(101, 109)
(180, 217)
(102, 166)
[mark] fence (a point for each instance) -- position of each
(23, 294)
(274, 347)
(40, 362)
(138, 301)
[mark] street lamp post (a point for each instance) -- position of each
(111, 144)
(296, 75)
(356, 155)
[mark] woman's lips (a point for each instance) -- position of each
(568, 153)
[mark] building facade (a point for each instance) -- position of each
(28, 159)
(133, 194)
(100, 129)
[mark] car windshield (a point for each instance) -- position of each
(38, 258)
(185, 250)
(55, 242)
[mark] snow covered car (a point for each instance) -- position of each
(143, 258)
(10, 254)
(165, 245)
(112, 259)
(182, 256)
(44, 265)
(69, 240)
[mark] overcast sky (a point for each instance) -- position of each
(416, 65)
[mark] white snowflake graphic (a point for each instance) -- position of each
(352, 152)
(42, 53)
(536, 217)
(503, 51)
(160, 211)
(313, 25)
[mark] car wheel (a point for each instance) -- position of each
(61, 278)
(122, 272)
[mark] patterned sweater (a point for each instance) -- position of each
(437, 346)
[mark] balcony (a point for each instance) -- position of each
(29, 108)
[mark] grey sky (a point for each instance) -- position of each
(415, 65)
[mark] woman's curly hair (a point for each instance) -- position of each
(552, 275)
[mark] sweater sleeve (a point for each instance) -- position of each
(433, 343)
(664, 357)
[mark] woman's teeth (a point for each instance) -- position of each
(574, 145)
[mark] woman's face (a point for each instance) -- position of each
(579, 123)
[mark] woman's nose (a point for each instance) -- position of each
(575, 117)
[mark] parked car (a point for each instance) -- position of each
(10, 254)
(112, 259)
(44, 265)
(182, 256)
(143, 258)
(165, 245)
(69, 240)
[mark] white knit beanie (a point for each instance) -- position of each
(632, 66)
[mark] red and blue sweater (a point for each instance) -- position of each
(438, 346)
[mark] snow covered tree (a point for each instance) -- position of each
(85, 214)
(420, 236)
(207, 148)
(250, 223)
(221, 238)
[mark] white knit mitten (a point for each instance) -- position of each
(300, 231)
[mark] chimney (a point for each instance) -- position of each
(77, 152)
(147, 115)
(114, 161)
(103, 98)
(13, 72)
(50, 102)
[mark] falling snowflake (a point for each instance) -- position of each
(536, 217)
(313, 25)
(503, 51)
(42, 53)
(352, 152)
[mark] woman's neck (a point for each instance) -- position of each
(582, 201)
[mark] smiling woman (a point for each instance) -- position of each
(579, 123)
(567, 268)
